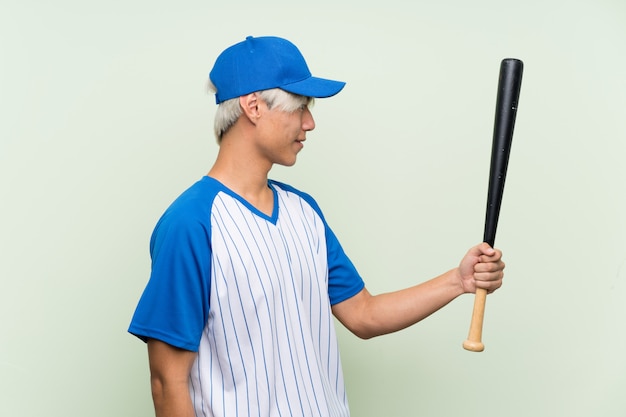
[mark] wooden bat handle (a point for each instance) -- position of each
(474, 340)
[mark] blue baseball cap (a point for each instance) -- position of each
(266, 62)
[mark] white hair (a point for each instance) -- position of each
(229, 111)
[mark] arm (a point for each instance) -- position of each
(169, 378)
(369, 315)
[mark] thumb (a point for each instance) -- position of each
(483, 248)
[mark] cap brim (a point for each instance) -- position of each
(314, 87)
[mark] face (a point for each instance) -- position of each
(282, 134)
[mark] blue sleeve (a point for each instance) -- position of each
(175, 303)
(344, 280)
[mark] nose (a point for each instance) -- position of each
(308, 123)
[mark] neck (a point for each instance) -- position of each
(244, 176)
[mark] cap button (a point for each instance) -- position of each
(249, 40)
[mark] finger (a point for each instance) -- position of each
(496, 255)
(489, 283)
(489, 266)
(482, 249)
(485, 249)
(488, 276)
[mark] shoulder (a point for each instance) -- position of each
(200, 194)
(196, 200)
(191, 210)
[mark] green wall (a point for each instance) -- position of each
(104, 120)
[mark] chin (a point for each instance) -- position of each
(287, 163)
(287, 159)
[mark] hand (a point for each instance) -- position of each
(482, 267)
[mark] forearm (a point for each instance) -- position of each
(397, 310)
(390, 312)
(368, 316)
(171, 399)
(169, 378)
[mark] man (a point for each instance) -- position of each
(247, 274)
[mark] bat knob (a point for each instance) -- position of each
(473, 346)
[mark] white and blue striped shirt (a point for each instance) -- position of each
(252, 294)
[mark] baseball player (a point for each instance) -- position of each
(246, 272)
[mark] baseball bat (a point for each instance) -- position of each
(509, 85)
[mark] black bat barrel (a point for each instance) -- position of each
(509, 85)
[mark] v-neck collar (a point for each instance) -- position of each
(272, 219)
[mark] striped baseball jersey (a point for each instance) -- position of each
(251, 293)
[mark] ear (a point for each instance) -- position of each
(250, 106)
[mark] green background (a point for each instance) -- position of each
(105, 120)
